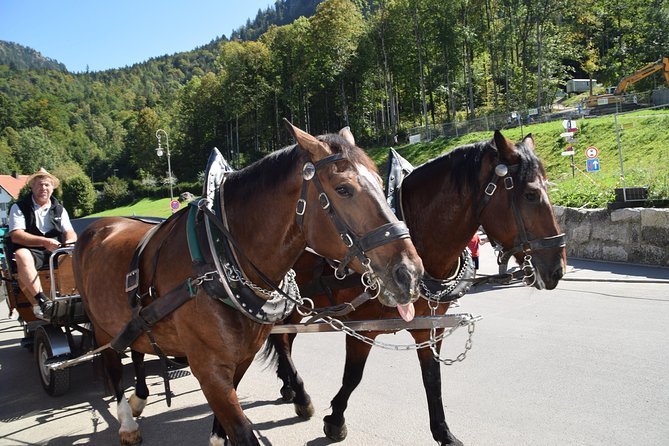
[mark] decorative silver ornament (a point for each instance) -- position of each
(501, 170)
(308, 171)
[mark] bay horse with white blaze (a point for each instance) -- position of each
(495, 184)
(218, 265)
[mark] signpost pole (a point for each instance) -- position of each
(572, 166)
(620, 157)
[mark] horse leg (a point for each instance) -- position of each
(431, 373)
(129, 431)
(293, 385)
(356, 356)
(239, 424)
(138, 399)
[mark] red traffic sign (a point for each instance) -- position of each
(591, 152)
(174, 204)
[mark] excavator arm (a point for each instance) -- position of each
(662, 64)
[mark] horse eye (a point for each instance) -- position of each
(532, 196)
(344, 190)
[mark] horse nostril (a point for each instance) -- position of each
(404, 278)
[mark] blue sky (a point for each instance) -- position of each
(104, 34)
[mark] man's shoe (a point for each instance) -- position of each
(47, 308)
(37, 311)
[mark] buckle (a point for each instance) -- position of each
(490, 189)
(131, 280)
(324, 201)
(508, 183)
(301, 206)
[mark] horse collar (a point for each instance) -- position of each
(230, 284)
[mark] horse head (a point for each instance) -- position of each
(352, 220)
(515, 211)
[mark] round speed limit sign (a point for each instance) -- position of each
(591, 152)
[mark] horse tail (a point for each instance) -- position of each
(270, 354)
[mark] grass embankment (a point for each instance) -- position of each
(644, 143)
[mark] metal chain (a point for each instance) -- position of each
(234, 275)
(431, 343)
(437, 297)
(206, 277)
(468, 343)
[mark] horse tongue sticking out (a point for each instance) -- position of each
(407, 311)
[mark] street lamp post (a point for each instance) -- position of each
(160, 151)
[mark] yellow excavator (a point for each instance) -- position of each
(617, 95)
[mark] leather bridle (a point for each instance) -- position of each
(357, 246)
(522, 243)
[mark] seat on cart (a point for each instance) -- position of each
(62, 274)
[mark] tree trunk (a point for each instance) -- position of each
(420, 64)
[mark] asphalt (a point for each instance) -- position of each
(585, 364)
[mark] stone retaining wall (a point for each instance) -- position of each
(634, 235)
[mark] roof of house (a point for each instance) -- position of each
(13, 185)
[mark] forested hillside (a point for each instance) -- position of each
(380, 66)
(19, 57)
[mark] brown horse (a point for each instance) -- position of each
(496, 184)
(338, 197)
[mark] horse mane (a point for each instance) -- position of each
(464, 164)
(273, 170)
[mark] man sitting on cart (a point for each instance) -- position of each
(38, 224)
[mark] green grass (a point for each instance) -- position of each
(144, 207)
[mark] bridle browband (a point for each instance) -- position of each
(357, 246)
(522, 244)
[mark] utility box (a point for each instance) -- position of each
(632, 194)
(580, 85)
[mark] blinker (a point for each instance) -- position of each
(501, 170)
(308, 171)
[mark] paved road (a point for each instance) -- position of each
(586, 364)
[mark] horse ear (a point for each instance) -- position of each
(347, 135)
(529, 141)
(316, 148)
(505, 148)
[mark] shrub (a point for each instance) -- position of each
(78, 195)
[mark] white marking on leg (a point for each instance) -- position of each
(215, 440)
(124, 414)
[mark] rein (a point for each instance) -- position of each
(525, 245)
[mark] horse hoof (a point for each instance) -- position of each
(450, 441)
(130, 438)
(304, 411)
(287, 394)
(334, 432)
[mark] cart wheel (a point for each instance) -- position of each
(55, 382)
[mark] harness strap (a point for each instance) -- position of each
(132, 278)
(556, 241)
(379, 236)
(491, 187)
(146, 317)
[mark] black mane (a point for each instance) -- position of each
(270, 172)
(464, 164)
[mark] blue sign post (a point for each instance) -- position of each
(592, 165)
